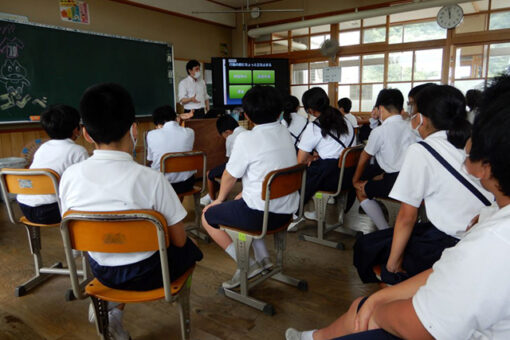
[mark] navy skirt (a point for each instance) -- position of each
(423, 249)
(237, 214)
(43, 214)
(146, 274)
(216, 172)
(184, 186)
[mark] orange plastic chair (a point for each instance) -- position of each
(189, 161)
(123, 232)
(34, 182)
(348, 159)
(276, 184)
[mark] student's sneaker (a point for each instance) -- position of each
(292, 334)
(235, 281)
(331, 200)
(205, 200)
(311, 215)
(292, 228)
(115, 329)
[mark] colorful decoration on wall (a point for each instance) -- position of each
(74, 11)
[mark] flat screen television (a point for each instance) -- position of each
(233, 77)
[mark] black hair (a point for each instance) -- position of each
(163, 114)
(391, 99)
(473, 98)
(262, 104)
(445, 106)
(107, 112)
(59, 121)
(226, 122)
(190, 64)
(415, 91)
(330, 119)
(490, 139)
(290, 105)
(346, 104)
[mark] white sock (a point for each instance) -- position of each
(231, 251)
(112, 305)
(307, 335)
(374, 211)
(260, 250)
(206, 197)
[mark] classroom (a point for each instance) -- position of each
(153, 150)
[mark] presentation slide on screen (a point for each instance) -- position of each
(240, 76)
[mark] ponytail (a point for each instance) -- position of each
(331, 120)
(445, 106)
(290, 105)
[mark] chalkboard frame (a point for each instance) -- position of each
(170, 75)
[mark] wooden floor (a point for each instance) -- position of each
(44, 313)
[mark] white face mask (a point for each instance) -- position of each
(473, 179)
(133, 139)
(416, 130)
(410, 109)
(197, 75)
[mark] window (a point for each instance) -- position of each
(499, 20)
(373, 68)
(305, 76)
(400, 66)
(428, 64)
(499, 59)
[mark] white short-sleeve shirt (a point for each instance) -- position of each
(229, 142)
(297, 125)
(450, 206)
(389, 142)
(326, 147)
(111, 181)
(189, 87)
(170, 138)
(257, 152)
(467, 295)
(58, 155)
(352, 119)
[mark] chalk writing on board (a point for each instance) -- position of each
(14, 91)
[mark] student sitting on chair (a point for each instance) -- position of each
(344, 106)
(62, 124)
(229, 129)
(465, 295)
(388, 143)
(328, 136)
(430, 173)
(170, 137)
(267, 147)
(110, 180)
(293, 120)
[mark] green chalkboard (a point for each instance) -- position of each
(42, 65)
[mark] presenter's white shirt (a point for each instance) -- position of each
(189, 87)
(297, 126)
(57, 155)
(170, 138)
(449, 205)
(257, 152)
(326, 147)
(229, 143)
(467, 295)
(389, 142)
(112, 181)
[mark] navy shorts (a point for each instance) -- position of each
(43, 214)
(237, 214)
(146, 274)
(184, 186)
(216, 172)
(376, 334)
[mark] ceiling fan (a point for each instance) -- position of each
(253, 11)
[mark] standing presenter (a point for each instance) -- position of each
(193, 93)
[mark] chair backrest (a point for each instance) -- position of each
(27, 182)
(115, 232)
(280, 183)
(348, 159)
(185, 161)
(283, 182)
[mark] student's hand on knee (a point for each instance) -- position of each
(364, 315)
(360, 186)
(395, 267)
(213, 203)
